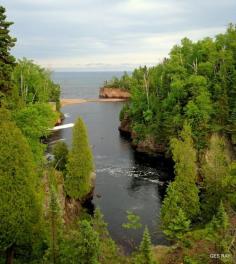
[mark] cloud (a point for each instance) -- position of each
(111, 33)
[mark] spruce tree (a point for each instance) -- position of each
(178, 225)
(7, 61)
(220, 220)
(19, 208)
(80, 163)
(144, 255)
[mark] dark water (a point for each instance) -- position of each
(125, 180)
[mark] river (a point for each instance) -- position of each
(125, 180)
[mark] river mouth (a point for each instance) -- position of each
(125, 180)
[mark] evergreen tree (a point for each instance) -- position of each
(216, 176)
(81, 246)
(184, 156)
(220, 221)
(80, 163)
(55, 223)
(181, 202)
(109, 252)
(178, 225)
(19, 208)
(60, 152)
(7, 61)
(145, 255)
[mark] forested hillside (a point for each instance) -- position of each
(184, 108)
(197, 84)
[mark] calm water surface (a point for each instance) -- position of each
(125, 180)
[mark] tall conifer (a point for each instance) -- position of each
(19, 209)
(80, 163)
(7, 61)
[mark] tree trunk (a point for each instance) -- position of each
(10, 255)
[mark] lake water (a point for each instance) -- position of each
(125, 180)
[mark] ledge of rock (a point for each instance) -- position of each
(148, 145)
(125, 127)
(118, 93)
(73, 207)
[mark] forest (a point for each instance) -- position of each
(187, 104)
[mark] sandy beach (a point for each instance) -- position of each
(66, 101)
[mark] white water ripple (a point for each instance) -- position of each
(149, 175)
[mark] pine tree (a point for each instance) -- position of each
(80, 163)
(7, 61)
(144, 255)
(19, 208)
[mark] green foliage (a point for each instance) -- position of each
(80, 163)
(216, 172)
(35, 121)
(181, 202)
(7, 61)
(34, 84)
(133, 221)
(177, 226)
(144, 255)
(220, 220)
(123, 111)
(81, 246)
(54, 220)
(20, 210)
(124, 82)
(60, 152)
(109, 252)
(196, 83)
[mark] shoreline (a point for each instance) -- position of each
(71, 101)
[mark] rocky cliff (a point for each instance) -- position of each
(118, 93)
(147, 145)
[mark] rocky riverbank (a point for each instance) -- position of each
(147, 145)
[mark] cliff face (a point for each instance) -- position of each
(148, 145)
(114, 93)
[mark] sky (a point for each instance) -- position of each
(100, 35)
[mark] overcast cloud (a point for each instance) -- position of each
(110, 34)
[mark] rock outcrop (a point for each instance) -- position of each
(148, 145)
(73, 207)
(118, 93)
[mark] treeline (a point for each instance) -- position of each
(196, 83)
(42, 219)
(123, 83)
(25, 119)
(188, 104)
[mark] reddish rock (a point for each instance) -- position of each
(118, 93)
